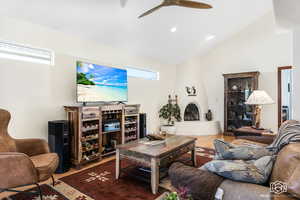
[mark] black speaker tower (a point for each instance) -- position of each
(59, 142)
(143, 125)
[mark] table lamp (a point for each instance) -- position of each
(259, 98)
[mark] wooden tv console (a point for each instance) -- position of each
(96, 130)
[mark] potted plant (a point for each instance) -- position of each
(172, 196)
(181, 194)
(170, 112)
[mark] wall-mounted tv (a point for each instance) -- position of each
(98, 83)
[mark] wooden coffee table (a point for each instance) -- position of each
(155, 156)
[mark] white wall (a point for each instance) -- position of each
(36, 93)
(190, 74)
(296, 75)
(259, 47)
(287, 15)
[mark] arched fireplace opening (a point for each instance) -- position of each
(191, 113)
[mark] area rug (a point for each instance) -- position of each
(98, 183)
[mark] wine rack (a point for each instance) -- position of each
(90, 130)
(97, 130)
(131, 123)
(111, 128)
(85, 134)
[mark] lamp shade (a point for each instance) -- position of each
(259, 97)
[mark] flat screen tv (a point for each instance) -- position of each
(98, 83)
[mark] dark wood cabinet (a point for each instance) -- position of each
(238, 87)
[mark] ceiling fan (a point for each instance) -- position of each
(182, 3)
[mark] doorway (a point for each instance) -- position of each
(284, 94)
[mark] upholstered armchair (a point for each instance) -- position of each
(23, 161)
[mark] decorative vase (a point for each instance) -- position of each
(208, 115)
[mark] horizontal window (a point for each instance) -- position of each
(141, 73)
(12, 50)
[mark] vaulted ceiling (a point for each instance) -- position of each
(106, 22)
(287, 13)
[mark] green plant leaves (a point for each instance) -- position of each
(170, 112)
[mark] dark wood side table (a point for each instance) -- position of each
(248, 133)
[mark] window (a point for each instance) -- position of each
(12, 50)
(141, 73)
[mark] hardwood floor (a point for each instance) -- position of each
(207, 141)
(202, 141)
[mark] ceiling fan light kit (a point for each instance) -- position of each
(181, 3)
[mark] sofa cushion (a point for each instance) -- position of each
(287, 168)
(45, 165)
(252, 171)
(198, 183)
(234, 190)
(227, 151)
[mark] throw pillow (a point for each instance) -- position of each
(197, 183)
(252, 171)
(227, 151)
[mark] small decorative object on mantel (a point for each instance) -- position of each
(171, 111)
(208, 115)
(191, 91)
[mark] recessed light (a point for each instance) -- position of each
(210, 37)
(174, 29)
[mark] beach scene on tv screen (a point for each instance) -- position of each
(97, 83)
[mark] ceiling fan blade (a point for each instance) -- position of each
(193, 4)
(151, 10)
(123, 3)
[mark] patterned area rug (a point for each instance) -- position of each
(205, 152)
(98, 183)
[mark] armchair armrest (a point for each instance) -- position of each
(16, 170)
(32, 147)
